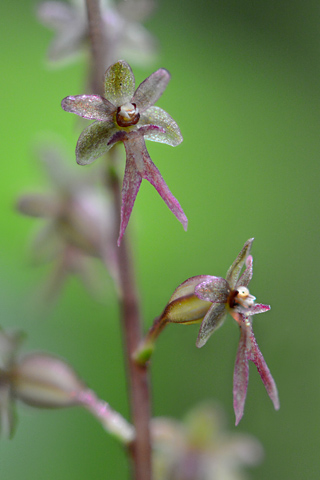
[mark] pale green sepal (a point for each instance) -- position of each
(235, 269)
(94, 141)
(212, 321)
(119, 83)
(156, 116)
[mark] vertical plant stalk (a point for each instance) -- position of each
(139, 392)
(98, 46)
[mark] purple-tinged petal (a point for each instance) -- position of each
(119, 83)
(259, 308)
(235, 269)
(37, 205)
(54, 14)
(70, 26)
(153, 175)
(130, 187)
(67, 44)
(248, 311)
(140, 164)
(257, 358)
(211, 322)
(241, 374)
(213, 289)
(94, 141)
(122, 135)
(246, 277)
(92, 107)
(188, 287)
(151, 89)
(156, 116)
(151, 130)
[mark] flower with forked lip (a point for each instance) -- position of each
(129, 116)
(208, 299)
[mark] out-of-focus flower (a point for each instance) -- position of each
(208, 299)
(128, 115)
(123, 33)
(78, 224)
(45, 381)
(199, 448)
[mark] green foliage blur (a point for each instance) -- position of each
(245, 93)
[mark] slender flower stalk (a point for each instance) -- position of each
(46, 381)
(139, 395)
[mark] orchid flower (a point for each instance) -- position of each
(46, 381)
(124, 35)
(201, 448)
(208, 299)
(77, 224)
(128, 115)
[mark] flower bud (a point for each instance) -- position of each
(45, 381)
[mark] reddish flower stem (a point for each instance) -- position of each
(139, 392)
(98, 46)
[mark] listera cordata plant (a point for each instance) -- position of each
(207, 300)
(129, 116)
(124, 115)
(42, 380)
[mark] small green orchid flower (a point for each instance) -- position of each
(208, 300)
(128, 115)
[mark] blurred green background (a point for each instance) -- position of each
(245, 92)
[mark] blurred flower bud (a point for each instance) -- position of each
(45, 381)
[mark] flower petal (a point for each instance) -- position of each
(247, 274)
(241, 374)
(55, 14)
(211, 322)
(92, 107)
(151, 89)
(257, 358)
(136, 149)
(259, 308)
(235, 269)
(188, 287)
(37, 205)
(156, 116)
(213, 289)
(94, 141)
(119, 83)
(70, 29)
(130, 187)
